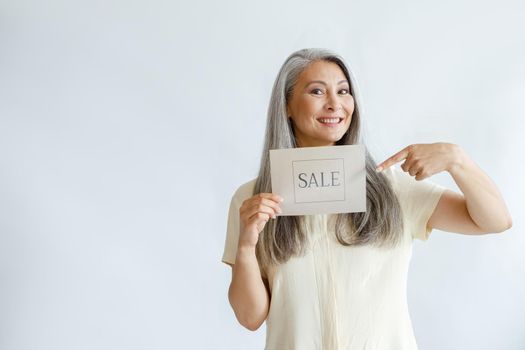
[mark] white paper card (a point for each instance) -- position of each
(319, 180)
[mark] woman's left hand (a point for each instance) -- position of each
(426, 159)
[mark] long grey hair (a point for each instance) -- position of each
(284, 237)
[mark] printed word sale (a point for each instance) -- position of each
(330, 179)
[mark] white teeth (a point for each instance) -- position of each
(329, 120)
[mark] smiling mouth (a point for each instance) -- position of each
(330, 121)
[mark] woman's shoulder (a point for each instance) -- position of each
(393, 175)
(400, 181)
(245, 190)
(407, 187)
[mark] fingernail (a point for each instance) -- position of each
(281, 199)
(379, 169)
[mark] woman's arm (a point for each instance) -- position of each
(481, 199)
(481, 208)
(248, 295)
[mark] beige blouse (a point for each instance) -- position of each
(337, 297)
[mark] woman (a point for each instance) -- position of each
(338, 281)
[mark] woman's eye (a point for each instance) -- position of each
(319, 91)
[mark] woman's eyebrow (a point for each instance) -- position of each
(322, 82)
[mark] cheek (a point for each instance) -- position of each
(307, 108)
(350, 104)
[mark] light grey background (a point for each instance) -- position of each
(125, 127)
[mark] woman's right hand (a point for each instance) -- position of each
(254, 214)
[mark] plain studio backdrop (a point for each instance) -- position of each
(126, 126)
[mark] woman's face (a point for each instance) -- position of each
(320, 94)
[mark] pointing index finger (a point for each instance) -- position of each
(399, 156)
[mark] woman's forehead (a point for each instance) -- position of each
(322, 70)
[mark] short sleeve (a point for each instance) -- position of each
(418, 199)
(244, 192)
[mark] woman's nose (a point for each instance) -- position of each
(332, 102)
